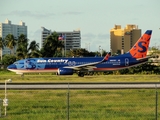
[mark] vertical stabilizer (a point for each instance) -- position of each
(139, 50)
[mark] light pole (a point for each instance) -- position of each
(5, 100)
(99, 49)
(87, 46)
(101, 52)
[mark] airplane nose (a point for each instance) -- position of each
(13, 66)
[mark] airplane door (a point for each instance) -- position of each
(126, 62)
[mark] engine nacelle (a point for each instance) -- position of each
(65, 71)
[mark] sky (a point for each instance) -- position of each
(94, 18)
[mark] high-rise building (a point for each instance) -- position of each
(121, 40)
(44, 34)
(72, 39)
(8, 28)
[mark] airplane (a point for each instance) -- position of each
(137, 55)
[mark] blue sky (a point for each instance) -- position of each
(94, 18)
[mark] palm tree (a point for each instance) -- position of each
(25, 51)
(34, 49)
(1, 46)
(33, 46)
(52, 45)
(22, 51)
(11, 42)
(22, 39)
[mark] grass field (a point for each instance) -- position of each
(128, 104)
(125, 104)
(74, 78)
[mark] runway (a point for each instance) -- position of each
(60, 86)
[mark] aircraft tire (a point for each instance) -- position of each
(91, 73)
(81, 74)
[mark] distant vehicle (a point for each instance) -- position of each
(67, 66)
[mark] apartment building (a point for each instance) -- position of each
(9, 28)
(121, 40)
(72, 39)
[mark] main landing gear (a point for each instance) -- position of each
(81, 74)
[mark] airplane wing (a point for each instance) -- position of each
(89, 65)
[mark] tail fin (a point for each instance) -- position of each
(106, 57)
(139, 50)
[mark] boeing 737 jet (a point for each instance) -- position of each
(67, 66)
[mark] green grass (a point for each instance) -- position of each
(49, 77)
(127, 104)
(84, 104)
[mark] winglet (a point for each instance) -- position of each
(139, 50)
(106, 57)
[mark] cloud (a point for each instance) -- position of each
(26, 13)
(72, 13)
(36, 14)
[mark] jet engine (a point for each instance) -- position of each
(65, 71)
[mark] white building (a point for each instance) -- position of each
(72, 39)
(8, 28)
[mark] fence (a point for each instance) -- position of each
(119, 104)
